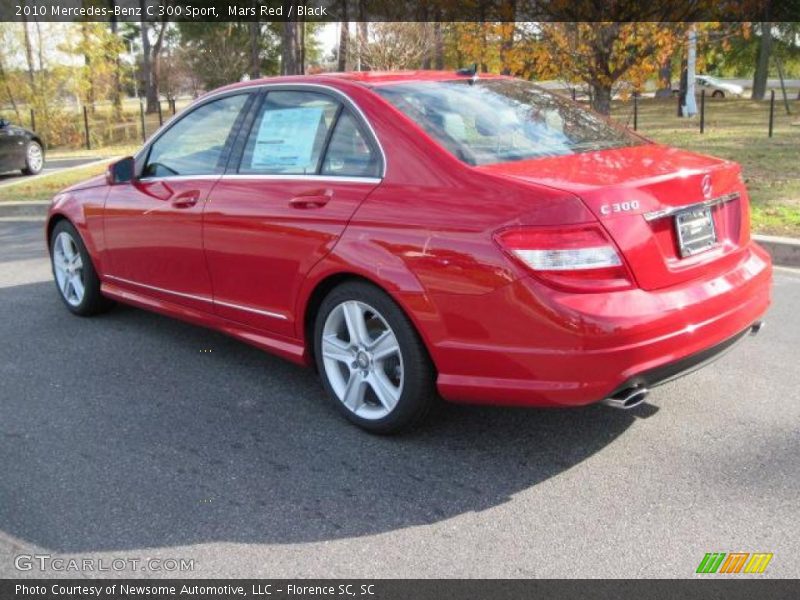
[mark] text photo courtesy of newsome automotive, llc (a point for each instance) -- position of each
(389, 300)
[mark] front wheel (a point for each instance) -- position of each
(718, 94)
(371, 359)
(74, 274)
(34, 159)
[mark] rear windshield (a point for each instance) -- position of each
(503, 120)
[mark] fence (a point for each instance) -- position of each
(72, 127)
(767, 117)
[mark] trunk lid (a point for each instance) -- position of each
(637, 192)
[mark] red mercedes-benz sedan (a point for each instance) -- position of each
(422, 232)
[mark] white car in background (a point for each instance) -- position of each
(717, 88)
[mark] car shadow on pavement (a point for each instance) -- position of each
(131, 431)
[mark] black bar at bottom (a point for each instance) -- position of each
(743, 587)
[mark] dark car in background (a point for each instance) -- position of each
(20, 149)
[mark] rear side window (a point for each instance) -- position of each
(349, 153)
(194, 145)
(289, 134)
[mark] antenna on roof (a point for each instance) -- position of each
(471, 71)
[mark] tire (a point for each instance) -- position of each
(718, 94)
(34, 158)
(72, 269)
(394, 386)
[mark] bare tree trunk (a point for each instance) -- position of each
(301, 47)
(87, 63)
(601, 98)
(665, 79)
(344, 36)
(29, 55)
(438, 46)
(255, 54)
(427, 57)
(116, 76)
(363, 32)
(8, 91)
(762, 62)
(145, 36)
(153, 91)
(288, 48)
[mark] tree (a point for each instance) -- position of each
(603, 54)
(392, 46)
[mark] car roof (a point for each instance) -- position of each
(363, 78)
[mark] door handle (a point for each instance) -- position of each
(311, 199)
(186, 199)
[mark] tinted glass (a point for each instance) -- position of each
(289, 134)
(348, 153)
(503, 120)
(194, 145)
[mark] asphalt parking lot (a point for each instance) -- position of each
(134, 436)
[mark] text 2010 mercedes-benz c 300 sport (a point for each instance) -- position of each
(422, 232)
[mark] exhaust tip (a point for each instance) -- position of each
(627, 399)
(756, 327)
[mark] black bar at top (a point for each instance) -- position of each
(403, 10)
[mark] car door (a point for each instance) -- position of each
(153, 225)
(301, 169)
(9, 140)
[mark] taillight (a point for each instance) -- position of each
(575, 258)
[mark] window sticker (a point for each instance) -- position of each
(285, 140)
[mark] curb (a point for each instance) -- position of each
(785, 251)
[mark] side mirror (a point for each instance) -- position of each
(121, 171)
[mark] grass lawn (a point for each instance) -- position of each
(737, 130)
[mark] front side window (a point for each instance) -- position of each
(289, 134)
(194, 145)
(503, 120)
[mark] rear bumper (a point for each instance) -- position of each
(689, 364)
(531, 346)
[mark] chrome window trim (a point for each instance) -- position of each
(289, 176)
(180, 178)
(673, 210)
(266, 313)
(347, 100)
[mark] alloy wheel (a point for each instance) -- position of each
(35, 159)
(362, 359)
(68, 269)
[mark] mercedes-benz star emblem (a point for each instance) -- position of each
(707, 188)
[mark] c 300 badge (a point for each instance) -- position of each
(618, 207)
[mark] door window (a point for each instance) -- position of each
(195, 144)
(289, 134)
